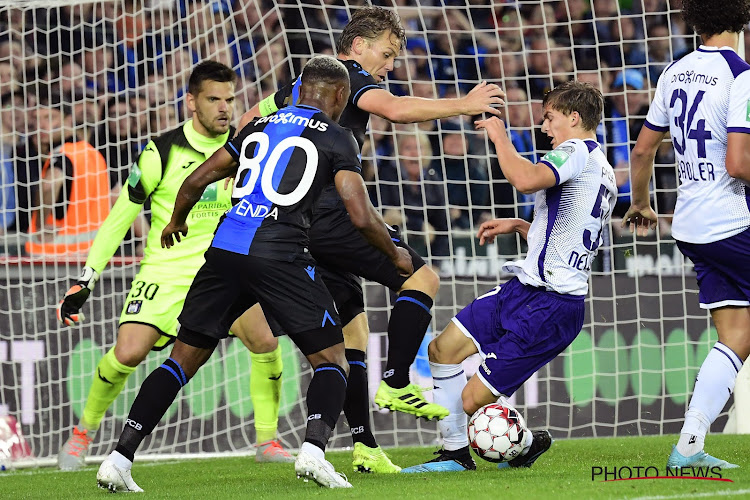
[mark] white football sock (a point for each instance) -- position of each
(449, 381)
(119, 460)
(313, 450)
(713, 386)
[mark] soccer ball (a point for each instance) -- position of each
(497, 432)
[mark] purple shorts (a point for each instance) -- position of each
(723, 270)
(518, 329)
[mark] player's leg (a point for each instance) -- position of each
(133, 344)
(294, 295)
(149, 319)
(338, 246)
(367, 456)
(214, 301)
(346, 290)
(325, 400)
(157, 393)
(713, 386)
(446, 353)
(723, 273)
(265, 383)
(408, 323)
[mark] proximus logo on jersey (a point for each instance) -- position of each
(294, 120)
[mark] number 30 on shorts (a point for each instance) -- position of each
(143, 289)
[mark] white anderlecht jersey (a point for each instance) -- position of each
(699, 100)
(568, 219)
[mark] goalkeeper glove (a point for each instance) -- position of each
(68, 310)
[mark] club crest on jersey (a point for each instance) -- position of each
(747, 115)
(134, 307)
(558, 157)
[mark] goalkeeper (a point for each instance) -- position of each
(149, 317)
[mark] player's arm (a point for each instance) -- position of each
(144, 177)
(640, 216)
(737, 161)
(738, 155)
(218, 166)
(524, 175)
(491, 228)
(407, 109)
(351, 188)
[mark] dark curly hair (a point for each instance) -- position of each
(711, 17)
(577, 96)
(369, 23)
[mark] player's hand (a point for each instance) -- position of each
(494, 126)
(403, 262)
(68, 310)
(491, 228)
(640, 220)
(484, 98)
(173, 230)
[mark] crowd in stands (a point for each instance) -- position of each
(112, 75)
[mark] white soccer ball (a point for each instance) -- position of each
(497, 432)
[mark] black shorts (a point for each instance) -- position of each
(293, 293)
(346, 256)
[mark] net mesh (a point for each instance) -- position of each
(118, 71)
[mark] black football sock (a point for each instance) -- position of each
(325, 399)
(158, 391)
(357, 402)
(410, 318)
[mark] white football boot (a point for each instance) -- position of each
(321, 471)
(116, 479)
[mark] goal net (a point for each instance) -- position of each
(118, 71)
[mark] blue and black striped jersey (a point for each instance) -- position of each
(285, 161)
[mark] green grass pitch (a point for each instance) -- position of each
(565, 472)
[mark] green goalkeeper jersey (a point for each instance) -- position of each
(158, 174)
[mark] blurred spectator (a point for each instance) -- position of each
(113, 138)
(521, 135)
(99, 65)
(73, 197)
(632, 49)
(540, 80)
(659, 51)
(7, 175)
(50, 133)
(625, 110)
(270, 68)
(8, 79)
(467, 181)
(417, 188)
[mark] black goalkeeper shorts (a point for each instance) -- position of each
(292, 293)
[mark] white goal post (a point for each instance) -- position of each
(120, 68)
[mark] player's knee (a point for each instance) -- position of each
(470, 404)
(130, 354)
(334, 355)
(426, 280)
(436, 352)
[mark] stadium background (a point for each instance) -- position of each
(121, 69)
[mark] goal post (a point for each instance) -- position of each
(120, 68)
